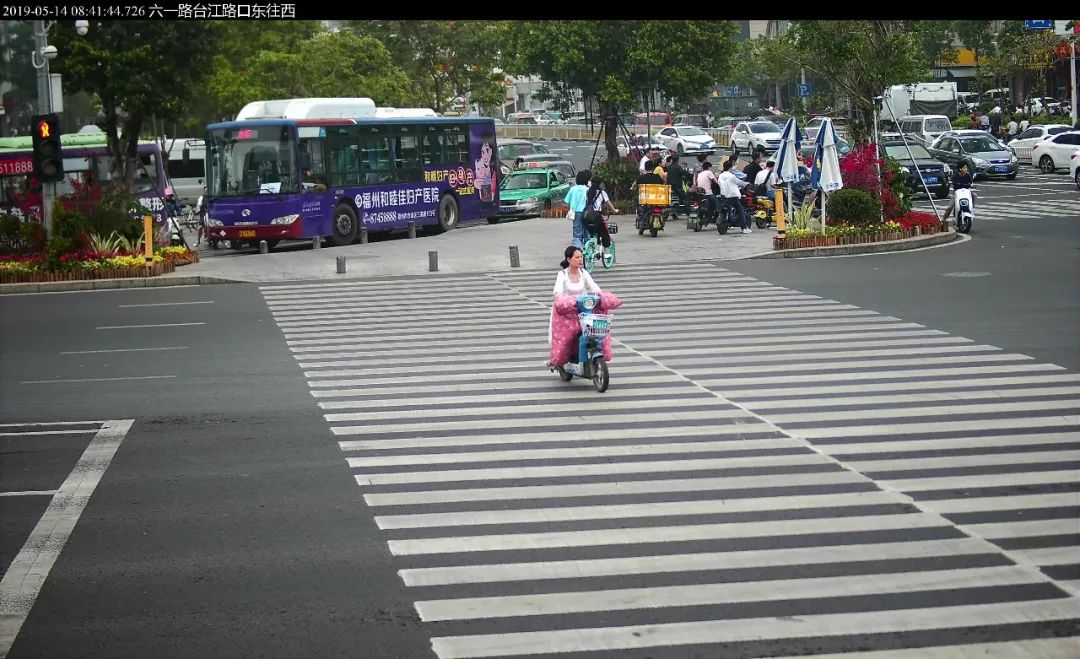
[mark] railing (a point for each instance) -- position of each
(722, 136)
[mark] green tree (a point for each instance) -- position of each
(978, 37)
(859, 59)
(134, 70)
(617, 61)
(445, 60)
(18, 80)
(765, 63)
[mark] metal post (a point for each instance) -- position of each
(433, 261)
(515, 261)
(44, 103)
(781, 220)
(316, 242)
(363, 235)
(412, 229)
(1072, 81)
(263, 247)
(341, 265)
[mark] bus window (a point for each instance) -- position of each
(434, 155)
(342, 159)
(375, 155)
(457, 145)
(406, 155)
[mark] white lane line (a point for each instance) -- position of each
(52, 423)
(48, 432)
(627, 599)
(1043, 648)
(97, 352)
(110, 327)
(27, 573)
(754, 629)
(162, 304)
(1012, 502)
(29, 493)
(134, 377)
(909, 485)
(733, 560)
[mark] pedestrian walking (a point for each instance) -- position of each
(575, 199)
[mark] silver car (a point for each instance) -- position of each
(984, 155)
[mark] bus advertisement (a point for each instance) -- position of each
(296, 178)
(86, 160)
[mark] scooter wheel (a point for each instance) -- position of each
(697, 226)
(653, 232)
(762, 222)
(565, 375)
(600, 377)
(722, 227)
(964, 225)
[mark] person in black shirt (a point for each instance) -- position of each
(676, 177)
(754, 167)
(960, 179)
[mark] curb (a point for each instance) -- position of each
(109, 284)
(865, 248)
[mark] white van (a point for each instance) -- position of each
(925, 127)
(186, 166)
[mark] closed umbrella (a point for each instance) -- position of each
(825, 174)
(787, 164)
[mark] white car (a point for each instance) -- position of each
(748, 135)
(1053, 153)
(1022, 143)
(1075, 160)
(686, 139)
(640, 149)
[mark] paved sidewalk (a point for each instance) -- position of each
(474, 248)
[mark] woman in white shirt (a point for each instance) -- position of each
(573, 279)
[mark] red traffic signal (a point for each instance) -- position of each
(48, 156)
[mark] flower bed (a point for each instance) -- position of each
(842, 234)
(16, 269)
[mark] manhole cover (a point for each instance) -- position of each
(966, 274)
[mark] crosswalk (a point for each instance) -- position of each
(771, 473)
(1008, 208)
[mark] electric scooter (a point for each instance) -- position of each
(590, 362)
(964, 209)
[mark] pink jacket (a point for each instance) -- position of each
(564, 327)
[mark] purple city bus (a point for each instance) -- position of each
(282, 177)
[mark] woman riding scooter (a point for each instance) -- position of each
(961, 179)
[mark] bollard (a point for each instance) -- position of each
(316, 242)
(341, 265)
(778, 213)
(363, 235)
(433, 261)
(918, 230)
(263, 247)
(515, 261)
(412, 229)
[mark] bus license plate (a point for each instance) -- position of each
(250, 233)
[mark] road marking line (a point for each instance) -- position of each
(47, 432)
(27, 573)
(134, 377)
(29, 493)
(107, 327)
(54, 423)
(96, 352)
(162, 304)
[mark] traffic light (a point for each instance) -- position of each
(48, 158)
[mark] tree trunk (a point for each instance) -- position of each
(610, 121)
(132, 127)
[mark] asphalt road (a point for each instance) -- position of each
(227, 523)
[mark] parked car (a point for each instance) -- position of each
(842, 148)
(812, 126)
(687, 140)
(698, 120)
(521, 118)
(983, 154)
(652, 119)
(639, 149)
(936, 174)
(540, 147)
(1053, 153)
(548, 118)
(578, 118)
(1022, 143)
(748, 135)
(925, 127)
(536, 157)
(526, 192)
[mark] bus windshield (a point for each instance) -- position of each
(247, 161)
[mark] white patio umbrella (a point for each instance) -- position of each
(825, 175)
(787, 164)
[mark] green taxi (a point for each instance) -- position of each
(527, 192)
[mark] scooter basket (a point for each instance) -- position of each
(595, 325)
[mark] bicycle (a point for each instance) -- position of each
(590, 252)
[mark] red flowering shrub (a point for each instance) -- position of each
(859, 169)
(913, 219)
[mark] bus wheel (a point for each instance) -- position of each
(343, 229)
(448, 213)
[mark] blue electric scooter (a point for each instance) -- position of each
(590, 357)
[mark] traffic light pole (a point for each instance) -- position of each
(44, 102)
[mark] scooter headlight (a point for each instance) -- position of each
(589, 302)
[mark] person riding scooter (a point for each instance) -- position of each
(961, 179)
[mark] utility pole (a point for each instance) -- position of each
(44, 104)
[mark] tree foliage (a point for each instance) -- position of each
(619, 61)
(135, 72)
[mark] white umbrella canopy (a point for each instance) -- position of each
(787, 163)
(825, 175)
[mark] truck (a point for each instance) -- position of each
(920, 98)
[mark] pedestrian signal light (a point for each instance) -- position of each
(48, 159)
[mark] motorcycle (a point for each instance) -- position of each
(760, 208)
(703, 210)
(589, 360)
(964, 209)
